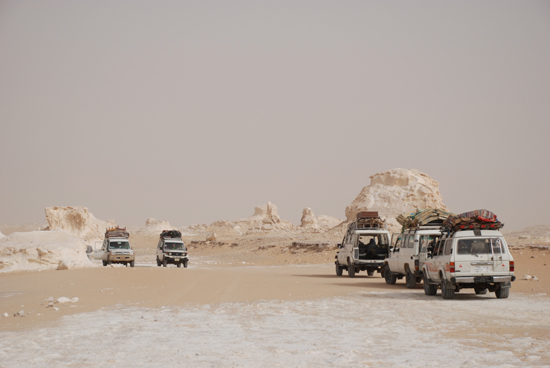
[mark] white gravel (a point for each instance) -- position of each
(382, 329)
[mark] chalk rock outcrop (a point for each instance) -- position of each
(77, 221)
(265, 218)
(2, 235)
(155, 226)
(309, 221)
(328, 222)
(396, 191)
(42, 250)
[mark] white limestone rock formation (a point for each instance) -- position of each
(265, 218)
(42, 250)
(212, 237)
(396, 191)
(2, 235)
(309, 221)
(78, 221)
(154, 226)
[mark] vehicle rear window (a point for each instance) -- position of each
(480, 246)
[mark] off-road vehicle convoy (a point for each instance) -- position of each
(405, 257)
(365, 245)
(116, 248)
(472, 253)
(171, 249)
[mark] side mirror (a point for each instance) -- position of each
(429, 254)
(340, 245)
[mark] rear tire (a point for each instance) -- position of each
(158, 262)
(370, 272)
(429, 289)
(502, 293)
(179, 265)
(104, 263)
(351, 269)
(338, 270)
(389, 276)
(410, 280)
(447, 289)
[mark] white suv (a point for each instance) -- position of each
(408, 253)
(362, 250)
(476, 259)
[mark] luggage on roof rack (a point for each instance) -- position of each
(170, 234)
(423, 217)
(117, 232)
(368, 219)
(473, 220)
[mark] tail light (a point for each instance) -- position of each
(416, 268)
(512, 266)
(452, 267)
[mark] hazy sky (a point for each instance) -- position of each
(196, 111)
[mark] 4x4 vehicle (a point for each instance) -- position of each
(116, 248)
(405, 258)
(365, 245)
(171, 249)
(473, 254)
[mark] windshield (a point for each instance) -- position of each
(119, 245)
(480, 246)
(173, 246)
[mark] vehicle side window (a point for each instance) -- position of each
(411, 241)
(404, 241)
(448, 247)
(398, 242)
(424, 241)
(437, 247)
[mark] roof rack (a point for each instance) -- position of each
(432, 217)
(473, 220)
(367, 220)
(165, 234)
(117, 232)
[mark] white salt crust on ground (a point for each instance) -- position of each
(382, 329)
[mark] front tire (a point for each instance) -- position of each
(185, 263)
(351, 269)
(447, 289)
(410, 280)
(429, 289)
(104, 263)
(164, 262)
(132, 263)
(338, 270)
(389, 276)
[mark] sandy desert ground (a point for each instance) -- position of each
(253, 304)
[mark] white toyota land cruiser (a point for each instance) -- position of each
(364, 247)
(477, 258)
(406, 258)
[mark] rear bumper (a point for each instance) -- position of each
(481, 279)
